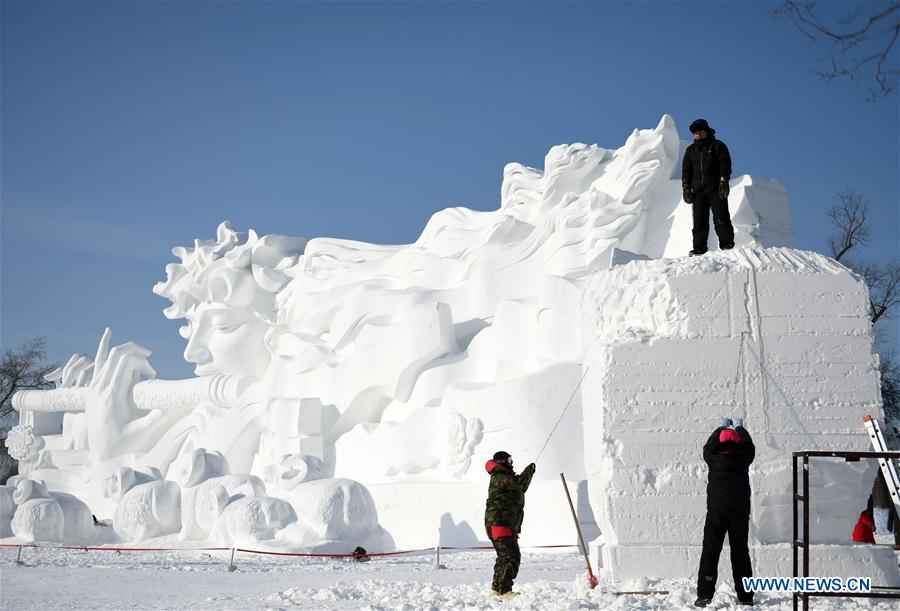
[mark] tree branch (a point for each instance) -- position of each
(883, 22)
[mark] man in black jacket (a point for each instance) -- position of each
(705, 173)
(728, 452)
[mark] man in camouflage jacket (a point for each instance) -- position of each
(503, 515)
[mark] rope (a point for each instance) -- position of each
(118, 549)
(740, 373)
(255, 551)
(572, 396)
(366, 555)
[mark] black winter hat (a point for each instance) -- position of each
(701, 125)
(502, 457)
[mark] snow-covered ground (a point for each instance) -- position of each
(68, 579)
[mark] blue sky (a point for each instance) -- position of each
(130, 128)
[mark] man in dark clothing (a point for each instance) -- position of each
(728, 452)
(503, 514)
(705, 173)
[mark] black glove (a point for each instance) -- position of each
(531, 468)
(723, 189)
(686, 190)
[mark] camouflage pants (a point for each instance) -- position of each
(507, 566)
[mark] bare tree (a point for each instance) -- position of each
(861, 42)
(884, 286)
(890, 384)
(22, 368)
(850, 216)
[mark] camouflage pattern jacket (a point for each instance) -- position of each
(506, 496)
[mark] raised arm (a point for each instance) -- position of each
(747, 444)
(525, 477)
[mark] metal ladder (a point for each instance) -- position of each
(888, 468)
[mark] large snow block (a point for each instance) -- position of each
(776, 336)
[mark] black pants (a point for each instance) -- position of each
(507, 566)
(703, 203)
(736, 523)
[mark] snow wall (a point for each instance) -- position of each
(778, 337)
(350, 393)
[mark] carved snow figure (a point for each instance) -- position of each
(248, 519)
(202, 504)
(334, 510)
(38, 519)
(41, 515)
(149, 510)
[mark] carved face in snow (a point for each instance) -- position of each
(226, 290)
(225, 339)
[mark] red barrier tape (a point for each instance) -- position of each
(367, 555)
(145, 549)
(119, 549)
(254, 551)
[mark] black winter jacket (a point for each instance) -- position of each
(729, 481)
(705, 163)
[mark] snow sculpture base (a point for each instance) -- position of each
(679, 561)
(677, 344)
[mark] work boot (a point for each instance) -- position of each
(696, 253)
(507, 596)
(702, 602)
(726, 246)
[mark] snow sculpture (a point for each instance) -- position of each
(22, 443)
(191, 468)
(149, 510)
(328, 364)
(202, 504)
(123, 479)
(334, 509)
(294, 469)
(254, 518)
(39, 520)
(41, 515)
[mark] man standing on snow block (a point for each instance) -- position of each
(503, 519)
(705, 173)
(728, 452)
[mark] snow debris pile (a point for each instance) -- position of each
(348, 393)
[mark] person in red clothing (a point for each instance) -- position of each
(862, 532)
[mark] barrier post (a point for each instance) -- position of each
(437, 550)
(19, 557)
(231, 567)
